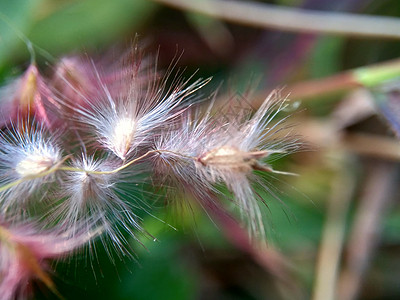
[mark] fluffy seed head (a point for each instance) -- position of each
(27, 152)
(91, 196)
(227, 148)
(123, 120)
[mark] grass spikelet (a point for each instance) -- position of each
(227, 148)
(27, 153)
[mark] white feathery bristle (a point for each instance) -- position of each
(27, 152)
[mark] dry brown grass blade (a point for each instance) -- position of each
(292, 19)
(333, 233)
(323, 135)
(363, 240)
(372, 145)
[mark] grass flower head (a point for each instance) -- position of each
(227, 148)
(90, 195)
(28, 154)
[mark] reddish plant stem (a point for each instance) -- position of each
(340, 82)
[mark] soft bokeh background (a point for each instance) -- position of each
(337, 224)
